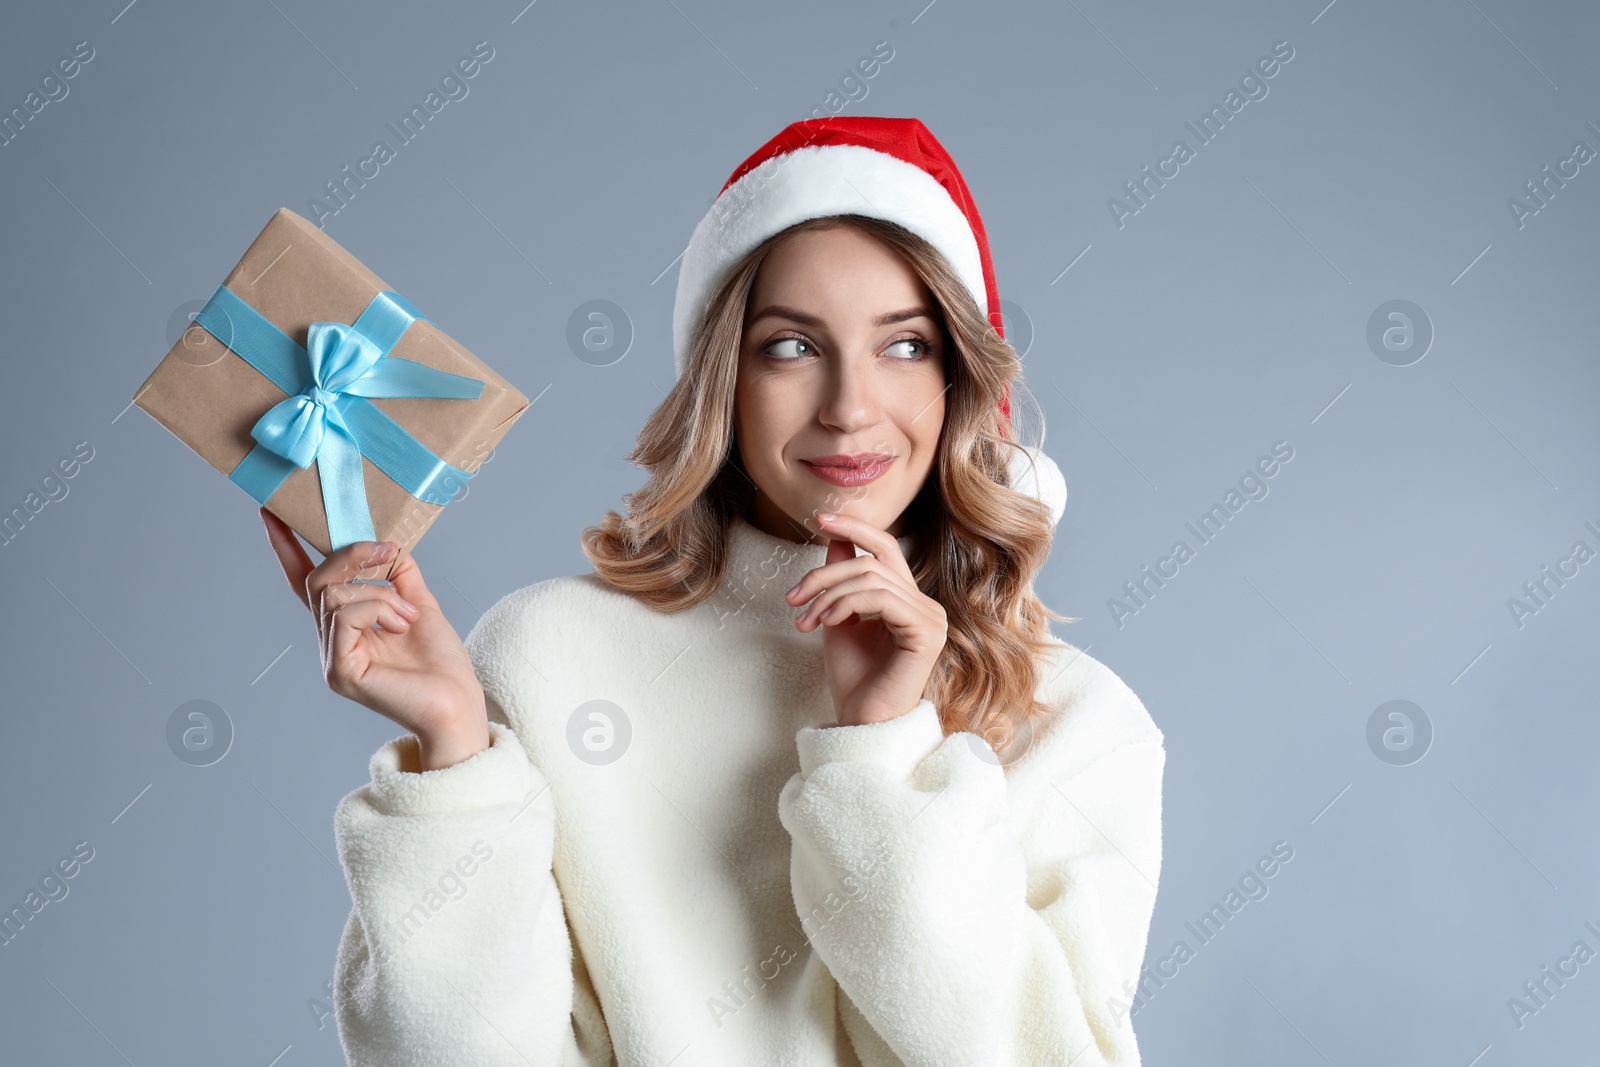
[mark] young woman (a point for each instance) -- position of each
(799, 774)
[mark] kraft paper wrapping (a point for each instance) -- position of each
(294, 275)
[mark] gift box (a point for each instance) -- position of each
(328, 397)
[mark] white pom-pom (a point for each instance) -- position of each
(1040, 478)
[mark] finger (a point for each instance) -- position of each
(829, 575)
(296, 564)
(848, 574)
(880, 543)
(337, 596)
(343, 594)
(407, 578)
(353, 623)
(840, 550)
(345, 564)
(840, 602)
(913, 630)
(865, 604)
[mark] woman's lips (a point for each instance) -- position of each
(869, 472)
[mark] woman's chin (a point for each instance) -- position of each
(862, 509)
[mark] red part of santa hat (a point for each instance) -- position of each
(887, 168)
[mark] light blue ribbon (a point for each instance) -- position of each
(327, 417)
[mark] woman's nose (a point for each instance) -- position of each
(851, 397)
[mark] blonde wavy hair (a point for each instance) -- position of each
(977, 544)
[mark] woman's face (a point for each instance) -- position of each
(842, 357)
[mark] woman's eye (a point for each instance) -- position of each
(918, 349)
(802, 348)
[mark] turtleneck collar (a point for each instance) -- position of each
(761, 569)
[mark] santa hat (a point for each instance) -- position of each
(886, 168)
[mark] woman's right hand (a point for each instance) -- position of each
(414, 670)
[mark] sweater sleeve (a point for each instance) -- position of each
(973, 914)
(457, 948)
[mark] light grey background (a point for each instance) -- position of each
(1228, 314)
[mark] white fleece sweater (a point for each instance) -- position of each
(747, 884)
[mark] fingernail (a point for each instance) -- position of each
(791, 592)
(384, 550)
(409, 606)
(826, 516)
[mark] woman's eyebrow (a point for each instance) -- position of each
(796, 315)
(889, 317)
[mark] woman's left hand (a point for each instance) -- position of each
(883, 635)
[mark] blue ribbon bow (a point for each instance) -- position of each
(327, 417)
